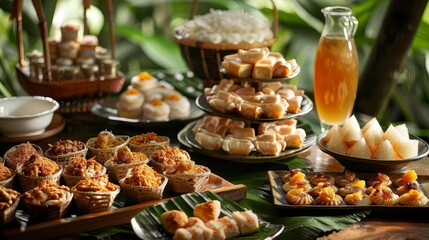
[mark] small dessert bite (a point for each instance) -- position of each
(207, 211)
(187, 177)
(356, 186)
(167, 158)
(172, 220)
(357, 198)
(322, 178)
(144, 81)
(297, 196)
(47, 201)
(347, 178)
(130, 103)
(179, 105)
(315, 191)
(297, 181)
(9, 201)
(409, 176)
(247, 221)
(155, 109)
(413, 198)
(327, 196)
(104, 146)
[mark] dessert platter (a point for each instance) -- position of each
(97, 183)
(366, 191)
(148, 100)
(252, 121)
(187, 137)
(151, 223)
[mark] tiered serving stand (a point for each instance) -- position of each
(187, 137)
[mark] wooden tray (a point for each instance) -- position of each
(120, 213)
(275, 178)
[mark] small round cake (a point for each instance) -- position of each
(130, 104)
(156, 109)
(179, 105)
(144, 81)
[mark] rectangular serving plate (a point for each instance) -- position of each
(280, 202)
(120, 213)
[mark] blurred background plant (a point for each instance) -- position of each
(144, 41)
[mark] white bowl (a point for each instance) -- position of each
(26, 115)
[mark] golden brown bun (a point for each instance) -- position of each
(207, 211)
(173, 220)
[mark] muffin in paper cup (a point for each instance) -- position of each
(56, 204)
(143, 184)
(188, 182)
(63, 150)
(94, 195)
(78, 168)
(124, 160)
(167, 158)
(28, 182)
(21, 153)
(147, 143)
(104, 146)
(7, 177)
(8, 207)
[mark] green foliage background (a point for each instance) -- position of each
(144, 35)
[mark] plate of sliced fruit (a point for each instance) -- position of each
(370, 148)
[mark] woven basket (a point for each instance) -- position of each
(76, 95)
(28, 182)
(205, 58)
(119, 171)
(63, 158)
(8, 215)
(91, 202)
(44, 212)
(148, 149)
(103, 154)
(11, 163)
(72, 180)
(8, 183)
(187, 183)
(139, 194)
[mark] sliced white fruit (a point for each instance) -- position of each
(351, 130)
(336, 142)
(374, 124)
(384, 151)
(373, 137)
(331, 131)
(393, 135)
(360, 149)
(407, 148)
(403, 129)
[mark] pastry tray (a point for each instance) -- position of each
(121, 212)
(275, 178)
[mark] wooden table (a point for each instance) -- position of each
(375, 226)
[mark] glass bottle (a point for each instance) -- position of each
(336, 70)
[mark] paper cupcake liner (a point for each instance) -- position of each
(43, 212)
(8, 183)
(186, 183)
(62, 159)
(102, 155)
(28, 182)
(139, 194)
(71, 180)
(12, 164)
(119, 171)
(91, 202)
(148, 149)
(8, 215)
